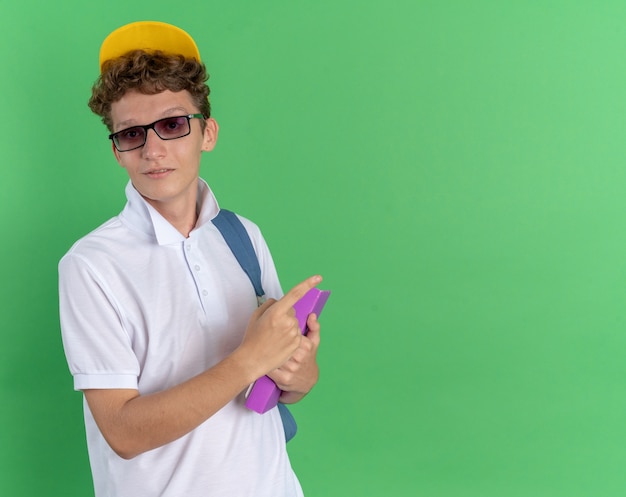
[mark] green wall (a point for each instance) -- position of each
(456, 171)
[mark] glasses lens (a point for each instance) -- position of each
(172, 127)
(130, 138)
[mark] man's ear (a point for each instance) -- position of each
(211, 131)
(116, 153)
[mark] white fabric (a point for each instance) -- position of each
(144, 307)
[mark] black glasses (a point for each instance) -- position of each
(169, 128)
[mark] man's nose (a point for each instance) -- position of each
(154, 146)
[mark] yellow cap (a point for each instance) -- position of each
(148, 36)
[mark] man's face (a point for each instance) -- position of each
(164, 172)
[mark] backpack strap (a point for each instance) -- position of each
(239, 243)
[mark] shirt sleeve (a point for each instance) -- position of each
(97, 347)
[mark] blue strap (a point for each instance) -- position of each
(289, 423)
(239, 243)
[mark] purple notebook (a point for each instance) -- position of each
(264, 393)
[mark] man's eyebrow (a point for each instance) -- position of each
(171, 112)
(175, 111)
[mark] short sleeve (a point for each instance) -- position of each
(97, 347)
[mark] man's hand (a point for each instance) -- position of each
(300, 373)
(273, 336)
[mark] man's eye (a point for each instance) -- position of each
(129, 134)
(172, 124)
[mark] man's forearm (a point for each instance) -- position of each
(133, 423)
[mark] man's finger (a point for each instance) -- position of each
(314, 329)
(264, 307)
(298, 291)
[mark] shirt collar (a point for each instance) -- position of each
(141, 216)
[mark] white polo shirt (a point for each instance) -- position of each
(143, 307)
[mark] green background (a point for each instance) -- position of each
(454, 169)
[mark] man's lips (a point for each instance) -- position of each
(155, 173)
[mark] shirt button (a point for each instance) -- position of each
(205, 293)
(196, 267)
(188, 247)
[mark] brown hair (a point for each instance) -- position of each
(148, 73)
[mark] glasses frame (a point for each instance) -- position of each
(151, 126)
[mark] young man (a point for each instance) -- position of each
(160, 324)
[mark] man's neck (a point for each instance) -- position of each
(182, 214)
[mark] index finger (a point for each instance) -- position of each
(297, 292)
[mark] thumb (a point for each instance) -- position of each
(313, 332)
